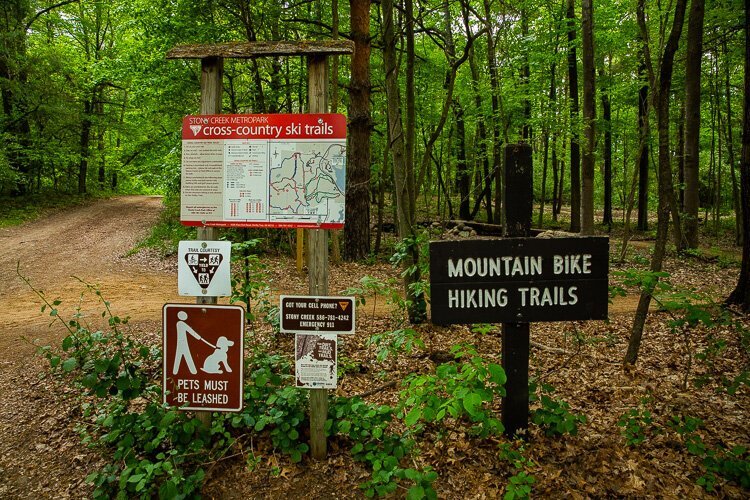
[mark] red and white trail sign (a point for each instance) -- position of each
(203, 356)
(280, 170)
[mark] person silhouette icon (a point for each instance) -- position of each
(183, 348)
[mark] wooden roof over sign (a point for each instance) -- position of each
(249, 50)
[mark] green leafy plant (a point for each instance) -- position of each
(375, 287)
(457, 390)
(638, 424)
(520, 484)
(250, 283)
(365, 427)
(732, 464)
(555, 416)
(272, 404)
(395, 342)
(154, 450)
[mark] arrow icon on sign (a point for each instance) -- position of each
(344, 305)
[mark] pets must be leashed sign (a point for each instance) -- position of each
(203, 356)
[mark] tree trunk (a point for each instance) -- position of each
(525, 76)
(357, 228)
(410, 121)
(497, 143)
(738, 208)
(643, 148)
(666, 188)
(83, 164)
(403, 176)
(463, 176)
(383, 175)
(741, 294)
(575, 153)
(589, 115)
(693, 119)
(607, 219)
(481, 138)
(681, 156)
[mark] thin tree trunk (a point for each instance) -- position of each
(681, 156)
(381, 195)
(643, 148)
(607, 218)
(740, 296)
(525, 77)
(738, 208)
(589, 115)
(402, 175)
(463, 177)
(481, 138)
(497, 143)
(693, 120)
(666, 191)
(83, 164)
(575, 153)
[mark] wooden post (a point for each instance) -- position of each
(300, 249)
(212, 69)
(317, 250)
(515, 336)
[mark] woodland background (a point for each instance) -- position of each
(638, 120)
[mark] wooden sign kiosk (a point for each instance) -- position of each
(212, 67)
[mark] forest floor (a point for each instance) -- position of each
(41, 455)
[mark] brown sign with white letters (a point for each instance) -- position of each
(203, 356)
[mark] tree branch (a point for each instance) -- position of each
(44, 11)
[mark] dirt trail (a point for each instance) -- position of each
(86, 242)
(36, 458)
(40, 453)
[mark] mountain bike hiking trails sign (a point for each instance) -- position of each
(203, 356)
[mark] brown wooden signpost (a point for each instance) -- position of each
(316, 52)
(517, 280)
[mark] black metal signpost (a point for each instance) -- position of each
(517, 280)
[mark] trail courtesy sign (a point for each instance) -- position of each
(203, 268)
(519, 280)
(203, 356)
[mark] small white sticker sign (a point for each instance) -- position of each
(203, 268)
(315, 364)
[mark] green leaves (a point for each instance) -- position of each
(457, 389)
(472, 403)
(555, 416)
(69, 365)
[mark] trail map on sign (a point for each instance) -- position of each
(307, 181)
(264, 170)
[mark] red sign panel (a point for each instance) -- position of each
(203, 356)
(277, 126)
(285, 170)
